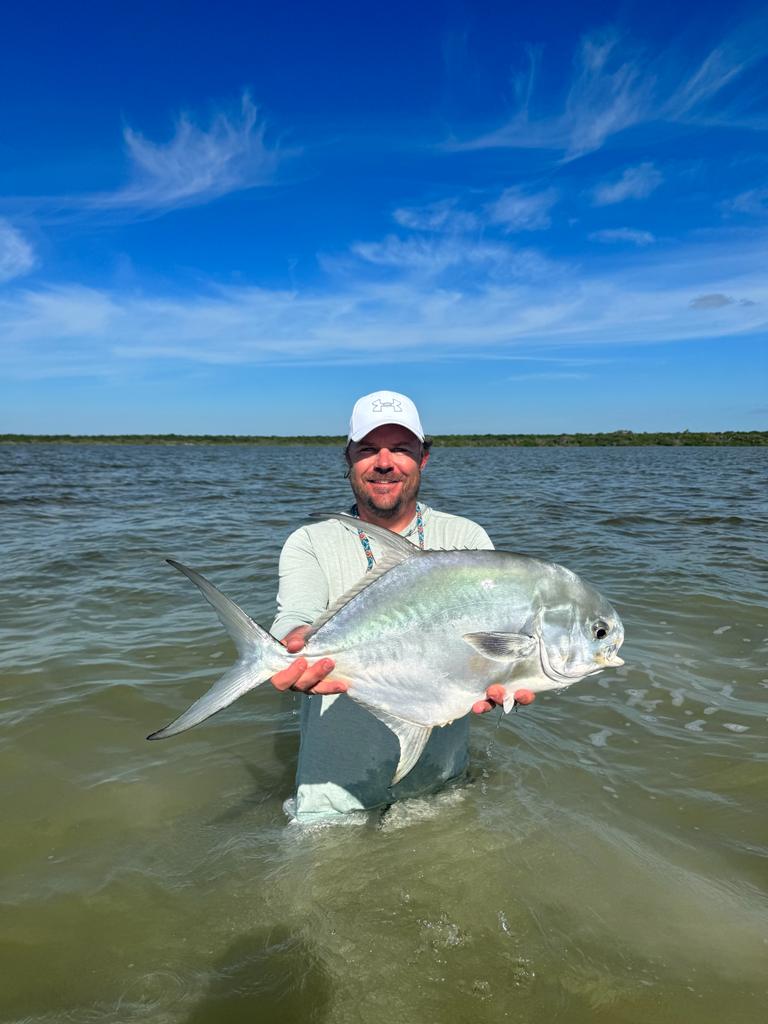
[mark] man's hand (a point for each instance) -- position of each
(495, 696)
(301, 675)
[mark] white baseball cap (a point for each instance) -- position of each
(382, 407)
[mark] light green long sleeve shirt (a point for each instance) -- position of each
(347, 756)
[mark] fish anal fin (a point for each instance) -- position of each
(506, 647)
(411, 737)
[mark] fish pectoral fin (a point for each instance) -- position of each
(502, 646)
(412, 738)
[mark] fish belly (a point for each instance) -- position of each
(426, 683)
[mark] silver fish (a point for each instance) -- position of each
(423, 635)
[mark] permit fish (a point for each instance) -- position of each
(423, 634)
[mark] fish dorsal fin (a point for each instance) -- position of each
(411, 737)
(502, 646)
(396, 550)
(380, 569)
(393, 545)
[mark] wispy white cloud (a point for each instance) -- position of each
(391, 306)
(443, 215)
(610, 235)
(635, 183)
(519, 210)
(736, 54)
(513, 209)
(197, 164)
(431, 257)
(17, 257)
(546, 375)
(609, 93)
(616, 86)
(753, 202)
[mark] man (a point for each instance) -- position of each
(347, 756)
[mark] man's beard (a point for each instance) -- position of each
(409, 492)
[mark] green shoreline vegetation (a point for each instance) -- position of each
(617, 438)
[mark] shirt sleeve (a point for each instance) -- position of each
(480, 541)
(302, 594)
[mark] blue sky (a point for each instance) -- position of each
(238, 218)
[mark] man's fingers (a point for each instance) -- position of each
(295, 640)
(494, 696)
(496, 693)
(288, 677)
(306, 678)
(328, 686)
(313, 675)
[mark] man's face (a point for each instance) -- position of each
(385, 469)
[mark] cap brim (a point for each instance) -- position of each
(360, 434)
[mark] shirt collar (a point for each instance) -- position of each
(410, 528)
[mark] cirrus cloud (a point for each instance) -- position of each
(635, 183)
(623, 235)
(442, 215)
(197, 164)
(617, 85)
(408, 305)
(519, 210)
(17, 257)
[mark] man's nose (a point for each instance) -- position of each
(384, 460)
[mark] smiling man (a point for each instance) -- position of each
(347, 756)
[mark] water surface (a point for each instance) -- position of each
(607, 860)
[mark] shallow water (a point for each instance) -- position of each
(607, 860)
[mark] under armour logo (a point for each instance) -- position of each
(380, 405)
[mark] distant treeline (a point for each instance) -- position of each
(616, 438)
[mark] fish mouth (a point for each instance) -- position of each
(609, 659)
(560, 677)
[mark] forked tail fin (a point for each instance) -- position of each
(260, 657)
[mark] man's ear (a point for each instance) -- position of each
(424, 458)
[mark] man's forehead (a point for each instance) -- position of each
(389, 433)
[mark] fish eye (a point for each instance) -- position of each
(600, 629)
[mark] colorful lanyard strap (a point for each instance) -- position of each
(367, 544)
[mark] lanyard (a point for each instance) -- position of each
(367, 544)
